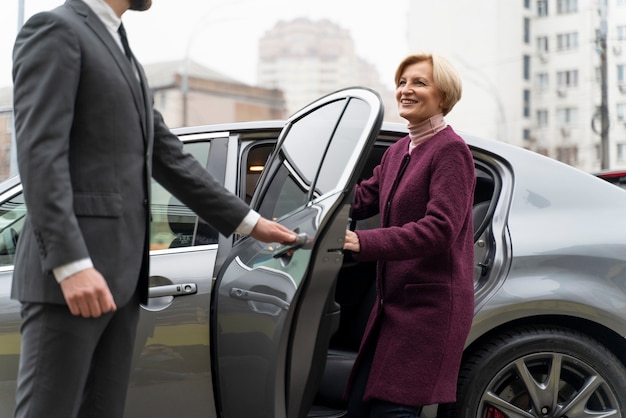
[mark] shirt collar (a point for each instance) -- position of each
(105, 13)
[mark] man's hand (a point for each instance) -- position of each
(268, 231)
(87, 294)
(351, 242)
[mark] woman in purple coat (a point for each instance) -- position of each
(423, 190)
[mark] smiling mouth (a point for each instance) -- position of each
(407, 101)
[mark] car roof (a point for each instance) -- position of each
(391, 131)
(267, 125)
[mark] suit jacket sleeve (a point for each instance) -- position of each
(46, 74)
(183, 176)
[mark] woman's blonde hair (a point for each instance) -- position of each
(446, 78)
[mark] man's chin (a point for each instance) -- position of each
(140, 5)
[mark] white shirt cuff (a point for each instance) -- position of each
(247, 225)
(63, 272)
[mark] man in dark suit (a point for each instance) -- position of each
(88, 143)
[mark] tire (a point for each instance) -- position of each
(540, 371)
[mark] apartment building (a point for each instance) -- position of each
(532, 72)
(307, 59)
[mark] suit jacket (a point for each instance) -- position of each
(425, 254)
(88, 143)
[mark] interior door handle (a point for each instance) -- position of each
(250, 295)
(182, 289)
(301, 240)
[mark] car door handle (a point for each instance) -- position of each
(250, 295)
(182, 289)
(301, 240)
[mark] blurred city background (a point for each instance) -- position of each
(546, 75)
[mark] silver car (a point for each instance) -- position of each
(236, 328)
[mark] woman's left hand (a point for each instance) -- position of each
(351, 242)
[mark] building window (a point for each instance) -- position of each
(566, 6)
(621, 74)
(542, 81)
(567, 116)
(621, 152)
(526, 67)
(567, 154)
(526, 134)
(542, 44)
(542, 118)
(542, 7)
(526, 30)
(565, 41)
(567, 79)
(621, 33)
(621, 112)
(526, 103)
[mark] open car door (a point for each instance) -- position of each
(273, 309)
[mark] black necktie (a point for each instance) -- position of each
(124, 39)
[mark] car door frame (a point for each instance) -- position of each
(299, 375)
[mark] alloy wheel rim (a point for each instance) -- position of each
(548, 385)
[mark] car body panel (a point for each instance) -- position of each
(554, 263)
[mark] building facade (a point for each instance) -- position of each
(532, 72)
(187, 94)
(8, 160)
(308, 59)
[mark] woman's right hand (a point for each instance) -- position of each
(351, 242)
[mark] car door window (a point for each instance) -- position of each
(291, 185)
(174, 225)
(12, 214)
(334, 164)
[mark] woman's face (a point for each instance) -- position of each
(417, 96)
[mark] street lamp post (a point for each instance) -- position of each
(604, 112)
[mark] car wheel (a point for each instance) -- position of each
(540, 371)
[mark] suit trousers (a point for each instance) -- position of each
(74, 367)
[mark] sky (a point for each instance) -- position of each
(223, 34)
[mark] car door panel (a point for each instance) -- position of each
(171, 370)
(273, 309)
